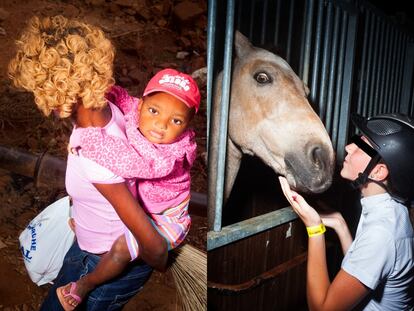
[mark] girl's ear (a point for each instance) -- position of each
(380, 172)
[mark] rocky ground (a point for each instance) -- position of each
(148, 35)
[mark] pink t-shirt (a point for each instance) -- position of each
(97, 224)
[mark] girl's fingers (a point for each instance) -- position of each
(301, 201)
(306, 212)
(290, 195)
(285, 187)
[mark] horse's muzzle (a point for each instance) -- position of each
(313, 169)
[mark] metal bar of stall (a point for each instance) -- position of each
(307, 42)
(403, 69)
(351, 20)
(394, 76)
(393, 59)
(211, 30)
(264, 22)
(339, 81)
(386, 67)
(387, 81)
(252, 12)
(412, 104)
(407, 87)
(364, 64)
(277, 22)
(397, 72)
(239, 19)
(400, 70)
(387, 94)
(250, 227)
(325, 59)
(369, 62)
(379, 67)
(389, 68)
(317, 52)
(224, 112)
(290, 28)
(374, 65)
(332, 73)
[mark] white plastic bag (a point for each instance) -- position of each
(46, 240)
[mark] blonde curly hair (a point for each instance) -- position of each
(62, 61)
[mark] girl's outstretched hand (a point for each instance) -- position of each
(307, 213)
(333, 220)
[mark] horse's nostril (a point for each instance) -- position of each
(317, 157)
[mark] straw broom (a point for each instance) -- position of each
(189, 269)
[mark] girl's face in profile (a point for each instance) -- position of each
(355, 161)
(163, 118)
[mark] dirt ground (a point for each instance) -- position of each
(148, 35)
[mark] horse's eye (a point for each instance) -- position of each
(262, 78)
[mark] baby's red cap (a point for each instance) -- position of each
(177, 84)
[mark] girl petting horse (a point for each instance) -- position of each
(377, 271)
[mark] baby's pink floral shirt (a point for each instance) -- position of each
(162, 170)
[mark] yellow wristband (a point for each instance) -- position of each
(316, 230)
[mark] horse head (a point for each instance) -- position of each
(271, 118)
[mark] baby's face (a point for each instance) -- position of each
(163, 118)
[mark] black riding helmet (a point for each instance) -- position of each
(392, 137)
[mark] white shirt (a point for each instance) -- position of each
(382, 254)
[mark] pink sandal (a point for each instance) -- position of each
(72, 294)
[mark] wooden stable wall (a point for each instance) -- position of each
(264, 272)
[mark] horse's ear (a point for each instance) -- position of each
(307, 91)
(241, 44)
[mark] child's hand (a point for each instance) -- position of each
(72, 150)
(307, 213)
(71, 223)
(332, 220)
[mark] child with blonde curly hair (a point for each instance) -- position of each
(63, 62)
(67, 65)
(159, 152)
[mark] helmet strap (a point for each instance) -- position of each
(363, 178)
(379, 183)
